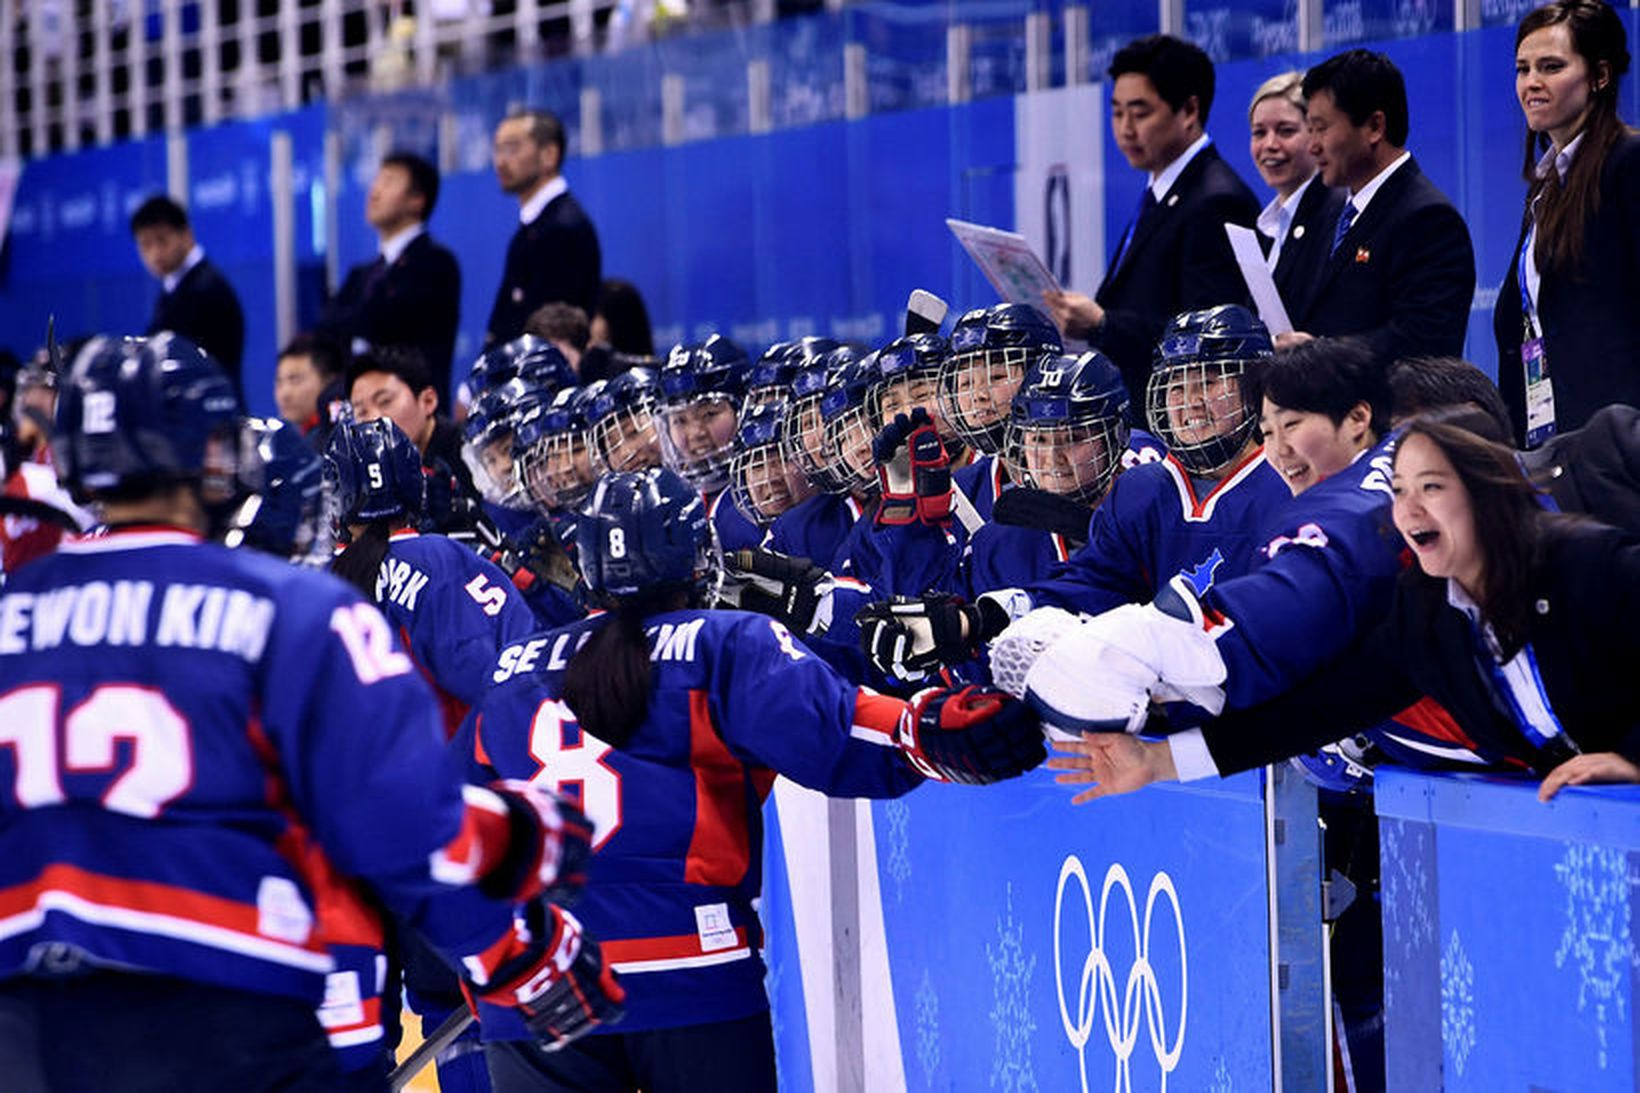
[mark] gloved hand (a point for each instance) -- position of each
(909, 637)
(547, 844)
(793, 590)
(975, 736)
(555, 978)
(914, 472)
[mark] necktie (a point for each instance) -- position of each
(1346, 217)
(1147, 205)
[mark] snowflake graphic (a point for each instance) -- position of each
(1406, 892)
(898, 815)
(1221, 1078)
(1457, 1002)
(926, 1006)
(1596, 940)
(1011, 970)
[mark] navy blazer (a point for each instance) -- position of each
(205, 309)
(1585, 591)
(1590, 320)
(1403, 277)
(1179, 261)
(1308, 240)
(416, 301)
(554, 257)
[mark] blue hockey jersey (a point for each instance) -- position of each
(735, 530)
(1323, 575)
(678, 844)
(197, 741)
(1153, 525)
(816, 529)
(455, 611)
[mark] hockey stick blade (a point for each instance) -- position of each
(924, 312)
(1026, 507)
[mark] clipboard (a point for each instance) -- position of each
(1007, 260)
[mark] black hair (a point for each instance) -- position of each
(545, 128)
(622, 306)
(559, 321)
(423, 178)
(1564, 208)
(1510, 524)
(1328, 376)
(609, 680)
(1420, 385)
(1362, 82)
(159, 211)
(1176, 68)
(325, 354)
(403, 361)
(360, 564)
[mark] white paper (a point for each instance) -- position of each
(1266, 300)
(1007, 260)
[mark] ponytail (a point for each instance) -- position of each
(609, 680)
(360, 564)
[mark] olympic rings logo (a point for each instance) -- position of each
(1141, 996)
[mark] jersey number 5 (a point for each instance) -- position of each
(572, 765)
(45, 743)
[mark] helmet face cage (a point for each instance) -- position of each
(765, 484)
(556, 471)
(803, 442)
(848, 447)
(626, 439)
(1198, 410)
(976, 389)
(494, 469)
(1076, 459)
(901, 393)
(697, 438)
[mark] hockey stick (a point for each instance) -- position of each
(443, 1036)
(1026, 507)
(924, 312)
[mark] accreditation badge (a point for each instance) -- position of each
(1540, 393)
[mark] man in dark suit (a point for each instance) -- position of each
(1306, 247)
(554, 253)
(195, 300)
(1173, 256)
(411, 293)
(1400, 269)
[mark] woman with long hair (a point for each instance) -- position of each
(669, 723)
(1567, 330)
(1517, 620)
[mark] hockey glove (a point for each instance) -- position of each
(556, 978)
(914, 472)
(547, 844)
(908, 638)
(793, 590)
(975, 736)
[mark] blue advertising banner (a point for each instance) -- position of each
(1509, 934)
(1125, 945)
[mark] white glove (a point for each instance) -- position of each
(1087, 682)
(1017, 648)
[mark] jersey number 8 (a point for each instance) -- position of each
(572, 765)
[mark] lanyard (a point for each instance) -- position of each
(1540, 737)
(1528, 312)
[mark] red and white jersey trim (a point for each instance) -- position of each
(666, 954)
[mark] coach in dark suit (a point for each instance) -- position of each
(410, 294)
(1173, 256)
(554, 253)
(1400, 269)
(195, 299)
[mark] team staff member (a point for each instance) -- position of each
(1567, 328)
(554, 253)
(1173, 256)
(195, 299)
(1400, 270)
(1517, 621)
(1296, 225)
(410, 294)
(673, 722)
(185, 765)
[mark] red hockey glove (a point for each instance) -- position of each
(975, 736)
(517, 842)
(555, 977)
(914, 472)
